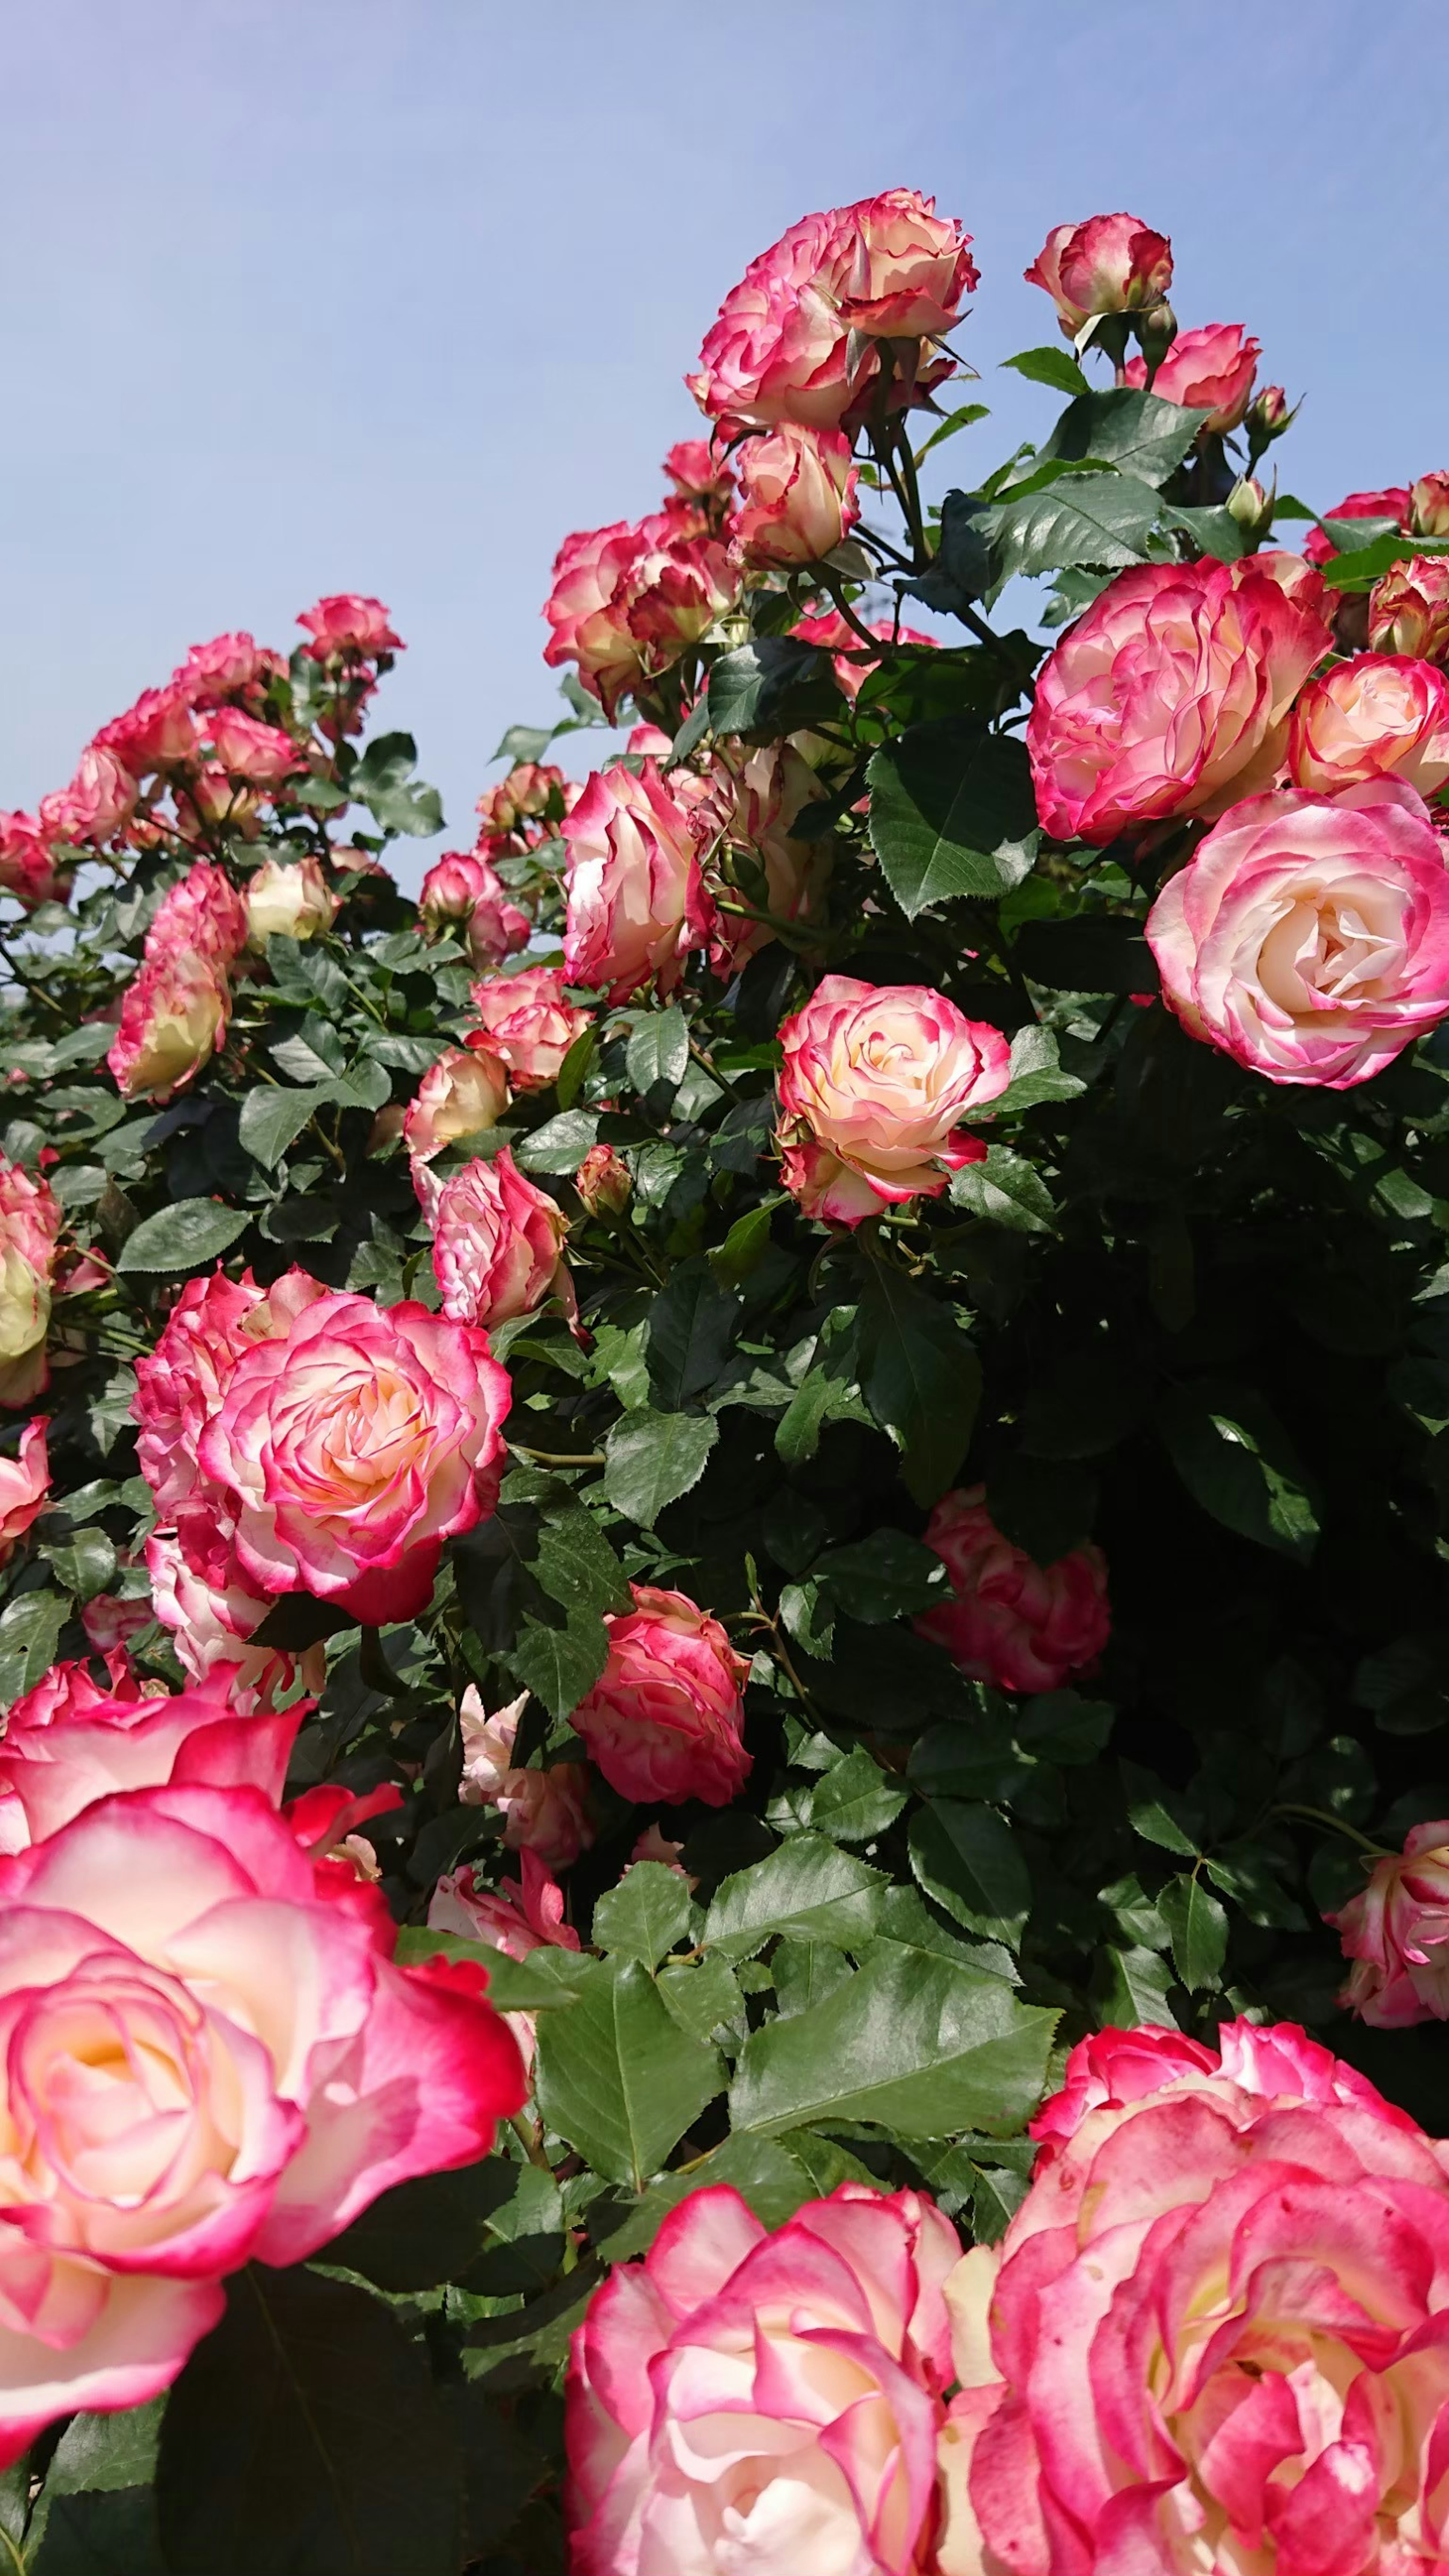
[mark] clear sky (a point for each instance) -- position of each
(388, 295)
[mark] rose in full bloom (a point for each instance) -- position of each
(1211, 2338)
(157, 734)
(1210, 370)
(98, 803)
(229, 666)
(173, 1020)
(212, 2059)
(30, 1222)
(27, 864)
(1110, 264)
(290, 897)
(797, 496)
(260, 753)
(628, 599)
(63, 1750)
(741, 2400)
(1378, 716)
(463, 1094)
(1394, 504)
(848, 658)
(1429, 505)
(888, 267)
(1308, 936)
(347, 1449)
(873, 1086)
(665, 1719)
(1396, 1933)
(604, 1181)
(525, 1021)
(181, 1381)
(346, 627)
(1011, 1622)
(201, 915)
(636, 902)
(498, 1241)
(1409, 609)
(544, 1811)
(753, 802)
(24, 1485)
(1171, 695)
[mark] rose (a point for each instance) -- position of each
(1110, 264)
(521, 1917)
(546, 1811)
(228, 666)
(202, 914)
(260, 753)
(453, 884)
(1210, 370)
(749, 812)
(346, 627)
(1395, 1932)
(524, 796)
(771, 2402)
(27, 869)
(1377, 716)
(1393, 504)
(292, 898)
(702, 485)
(173, 1019)
(463, 1094)
(30, 1222)
(60, 1753)
(1429, 506)
(210, 2060)
(98, 803)
(181, 1381)
(24, 1485)
(1011, 1622)
(797, 496)
(636, 902)
(665, 1718)
(1308, 936)
(627, 599)
(604, 1181)
(497, 1241)
(157, 733)
(887, 267)
(526, 1022)
(349, 1448)
(1171, 695)
(213, 1625)
(873, 1083)
(1408, 610)
(1212, 2335)
(849, 661)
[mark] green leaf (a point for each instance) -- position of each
(1087, 956)
(1137, 1985)
(1036, 1074)
(1199, 1931)
(1060, 1727)
(657, 1054)
(99, 2453)
(576, 1565)
(808, 1888)
(1005, 1190)
(104, 2532)
(703, 1994)
(1216, 532)
(690, 1332)
(653, 1458)
(967, 1858)
(914, 2042)
(856, 1800)
(547, 1980)
(1150, 1815)
(745, 1245)
(29, 1633)
(1246, 1872)
(1084, 519)
(618, 2078)
(560, 1144)
(1050, 367)
(305, 2434)
(805, 1972)
(1236, 1459)
(950, 806)
(271, 1120)
(575, 1068)
(1139, 433)
(559, 1665)
(424, 2232)
(920, 1378)
(383, 781)
(645, 1915)
(86, 1565)
(947, 428)
(749, 687)
(885, 1576)
(524, 743)
(183, 1236)
(1367, 549)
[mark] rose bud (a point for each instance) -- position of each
(291, 898)
(24, 1485)
(463, 887)
(1408, 610)
(1209, 370)
(665, 1720)
(1374, 717)
(463, 1094)
(636, 902)
(497, 1241)
(797, 496)
(1110, 264)
(1429, 506)
(874, 1082)
(1251, 507)
(603, 1181)
(1011, 1622)
(260, 753)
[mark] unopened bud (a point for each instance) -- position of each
(602, 1181)
(1251, 507)
(1156, 329)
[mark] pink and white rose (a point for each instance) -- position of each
(1408, 609)
(1394, 503)
(1429, 505)
(636, 902)
(62, 1751)
(173, 1020)
(1109, 264)
(30, 1222)
(1397, 1935)
(526, 1021)
(347, 627)
(24, 1486)
(463, 1094)
(245, 748)
(1377, 716)
(290, 898)
(797, 496)
(498, 1241)
(1210, 370)
(27, 863)
(1011, 1622)
(874, 1083)
(665, 1720)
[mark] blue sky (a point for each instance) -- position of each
(388, 295)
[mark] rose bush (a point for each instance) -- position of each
(798, 1415)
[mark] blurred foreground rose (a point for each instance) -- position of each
(212, 2060)
(665, 1718)
(874, 1081)
(741, 2400)
(1308, 936)
(1016, 1624)
(66, 1744)
(24, 1485)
